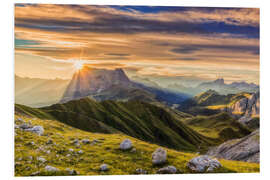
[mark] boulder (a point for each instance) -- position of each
(36, 129)
(203, 163)
(159, 156)
(167, 170)
(126, 144)
(25, 126)
(104, 167)
(51, 169)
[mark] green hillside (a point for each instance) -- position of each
(137, 119)
(221, 126)
(29, 147)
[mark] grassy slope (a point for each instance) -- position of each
(138, 119)
(107, 151)
(221, 126)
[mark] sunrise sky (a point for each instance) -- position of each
(155, 42)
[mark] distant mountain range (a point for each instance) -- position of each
(36, 92)
(102, 84)
(218, 85)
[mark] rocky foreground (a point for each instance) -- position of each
(46, 147)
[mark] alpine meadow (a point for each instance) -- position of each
(123, 90)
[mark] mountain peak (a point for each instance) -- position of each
(91, 80)
(219, 81)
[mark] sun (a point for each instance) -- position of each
(78, 65)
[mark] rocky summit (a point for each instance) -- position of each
(88, 81)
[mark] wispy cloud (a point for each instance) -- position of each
(104, 34)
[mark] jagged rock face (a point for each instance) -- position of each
(246, 108)
(243, 149)
(88, 81)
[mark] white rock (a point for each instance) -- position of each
(41, 159)
(25, 126)
(80, 152)
(104, 167)
(36, 129)
(203, 163)
(167, 170)
(159, 156)
(51, 169)
(126, 144)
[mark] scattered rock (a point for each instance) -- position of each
(71, 171)
(167, 170)
(68, 155)
(159, 156)
(51, 169)
(86, 141)
(41, 159)
(133, 150)
(203, 164)
(126, 144)
(140, 171)
(80, 152)
(25, 126)
(48, 151)
(104, 167)
(36, 129)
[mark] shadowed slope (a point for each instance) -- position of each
(138, 119)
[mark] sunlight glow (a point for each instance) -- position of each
(78, 65)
